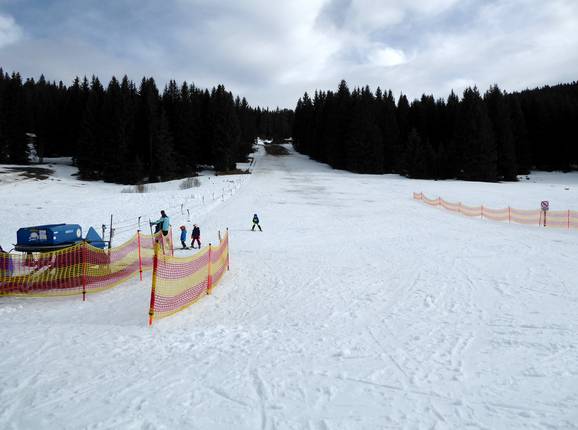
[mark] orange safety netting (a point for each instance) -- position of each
(79, 269)
(180, 282)
(557, 219)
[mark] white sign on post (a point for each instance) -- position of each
(545, 205)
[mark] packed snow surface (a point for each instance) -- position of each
(356, 308)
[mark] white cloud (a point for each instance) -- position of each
(386, 57)
(10, 32)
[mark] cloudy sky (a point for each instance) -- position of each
(273, 51)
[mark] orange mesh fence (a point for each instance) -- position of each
(496, 214)
(556, 219)
(453, 207)
(521, 216)
(561, 219)
(180, 282)
(470, 210)
(434, 202)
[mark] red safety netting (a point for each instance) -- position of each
(180, 282)
(79, 269)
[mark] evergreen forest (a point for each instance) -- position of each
(493, 136)
(131, 134)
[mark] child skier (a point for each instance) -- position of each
(184, 237)
(196, 236)
(256, 223)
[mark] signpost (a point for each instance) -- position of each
(545, 208)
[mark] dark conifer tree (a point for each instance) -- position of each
(500, 116)
(89, 158)
(14, 123)
(474, 140)
(363, 142)
(520, 135)
(225, 132)
(248, 124)
(387, 121)
(419, 157)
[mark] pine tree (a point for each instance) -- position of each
(387, 121)
(225, 132)
(474, 140)
(500, 116)
(402, 112)
(14, 128)
(89, 158)
(363, 142)
(419, 157)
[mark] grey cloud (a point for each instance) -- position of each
(272, 53)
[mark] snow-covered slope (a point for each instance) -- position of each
(356, 308)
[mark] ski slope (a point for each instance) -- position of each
(356, 308)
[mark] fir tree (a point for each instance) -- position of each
(500, 116)
(474, 140)
(225, 132)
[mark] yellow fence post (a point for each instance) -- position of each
(209, 278)
(154, 284)
(83, 265)
(139, 254)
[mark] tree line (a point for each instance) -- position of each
(128, 134)
(489, 137)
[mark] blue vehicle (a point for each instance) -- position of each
(52, 237)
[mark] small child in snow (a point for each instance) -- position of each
(196, 236)
(184, 237)
(256, 223)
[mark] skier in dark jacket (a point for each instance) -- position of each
(184, 237)
(196, 235)
(256, 223)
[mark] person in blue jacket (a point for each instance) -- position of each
(184, 237)
(256, 223)
(162, 224)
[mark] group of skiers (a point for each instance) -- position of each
(195, 236)
(163, 224)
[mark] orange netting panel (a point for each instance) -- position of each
(471, 210)
(434, 202)
(555, 219)
(454, 207)
(496, 214)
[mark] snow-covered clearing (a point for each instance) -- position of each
(356, 308)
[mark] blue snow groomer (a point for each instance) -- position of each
(52, 237)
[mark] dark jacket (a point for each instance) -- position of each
(256, 219)
(196, 233)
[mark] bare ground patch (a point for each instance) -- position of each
(29, 172)
(276, 150)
